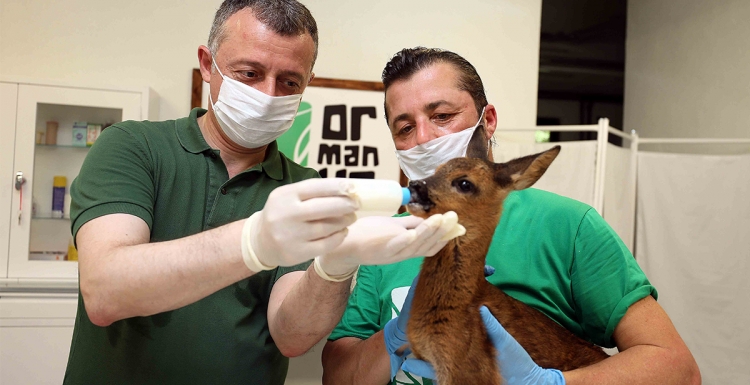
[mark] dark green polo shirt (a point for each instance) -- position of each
(166, 174)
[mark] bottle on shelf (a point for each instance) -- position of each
(93, 133)
(51, 135)
(66, 206)
(58, 196)
(80, 132)
(72, 251)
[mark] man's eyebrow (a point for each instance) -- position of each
(248, 62)
(403, 116)
(293, 74)
(433, 105)
(298, 76)
(428, 107)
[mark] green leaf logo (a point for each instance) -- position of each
(294, 142)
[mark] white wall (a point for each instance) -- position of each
(154, 43)
(142, 42)
(686, 68)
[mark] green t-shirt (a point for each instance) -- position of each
(166, 174)
(553, 253)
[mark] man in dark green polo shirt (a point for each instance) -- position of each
(177, 285)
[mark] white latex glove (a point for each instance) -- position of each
(385, 240)
(298, 222)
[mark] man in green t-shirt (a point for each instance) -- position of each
(553, 253)
(195, 235)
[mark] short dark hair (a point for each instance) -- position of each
(285, 17)
(409, 61)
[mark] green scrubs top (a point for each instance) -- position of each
(553, 253)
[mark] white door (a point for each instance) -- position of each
(8, 96)
(40, 240)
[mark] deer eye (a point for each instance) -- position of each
(464, 185)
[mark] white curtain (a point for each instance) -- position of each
(693, 242)
(570, 175)
(619, 194)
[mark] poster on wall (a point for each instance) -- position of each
(342, 133)
(340, 129)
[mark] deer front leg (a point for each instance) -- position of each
(459, 355)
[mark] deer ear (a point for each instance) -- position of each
(522, 173)
(477, 144)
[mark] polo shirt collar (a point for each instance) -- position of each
(189, 133)
(191, 138)
(272, 165)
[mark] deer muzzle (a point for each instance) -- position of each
(420, 198)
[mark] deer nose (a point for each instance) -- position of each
(417, 189)
(420, 194)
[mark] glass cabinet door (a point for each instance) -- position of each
(8, 96)
(55, 127)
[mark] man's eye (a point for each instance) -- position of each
(405, 130)
(442, 116)
(292, 84)
(250, 74)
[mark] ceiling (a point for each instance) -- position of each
(582, 50)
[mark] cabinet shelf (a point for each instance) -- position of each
(48, 256)
(48, 218)
(62, 146)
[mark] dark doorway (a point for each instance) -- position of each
(581, 64)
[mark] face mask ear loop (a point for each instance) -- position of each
(210, 100)
(213, 60)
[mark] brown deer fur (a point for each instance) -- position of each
(445, 327)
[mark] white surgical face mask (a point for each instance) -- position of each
(251, 118)
(421, 161)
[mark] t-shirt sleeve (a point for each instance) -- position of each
(116, 177)
(606, 279)
(361, 318)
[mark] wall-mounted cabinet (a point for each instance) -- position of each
(35, 240)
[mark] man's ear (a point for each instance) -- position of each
(205, 60)
(312, 76)
(490, 119)
(522, 173)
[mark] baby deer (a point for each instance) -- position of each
(445, 327)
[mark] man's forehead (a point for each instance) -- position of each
(436, 75)
(425, 93)
(256, 44)
(430, 105)
(243, 27)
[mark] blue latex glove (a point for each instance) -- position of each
(394, 332)
(516, 366)
(488, 270)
